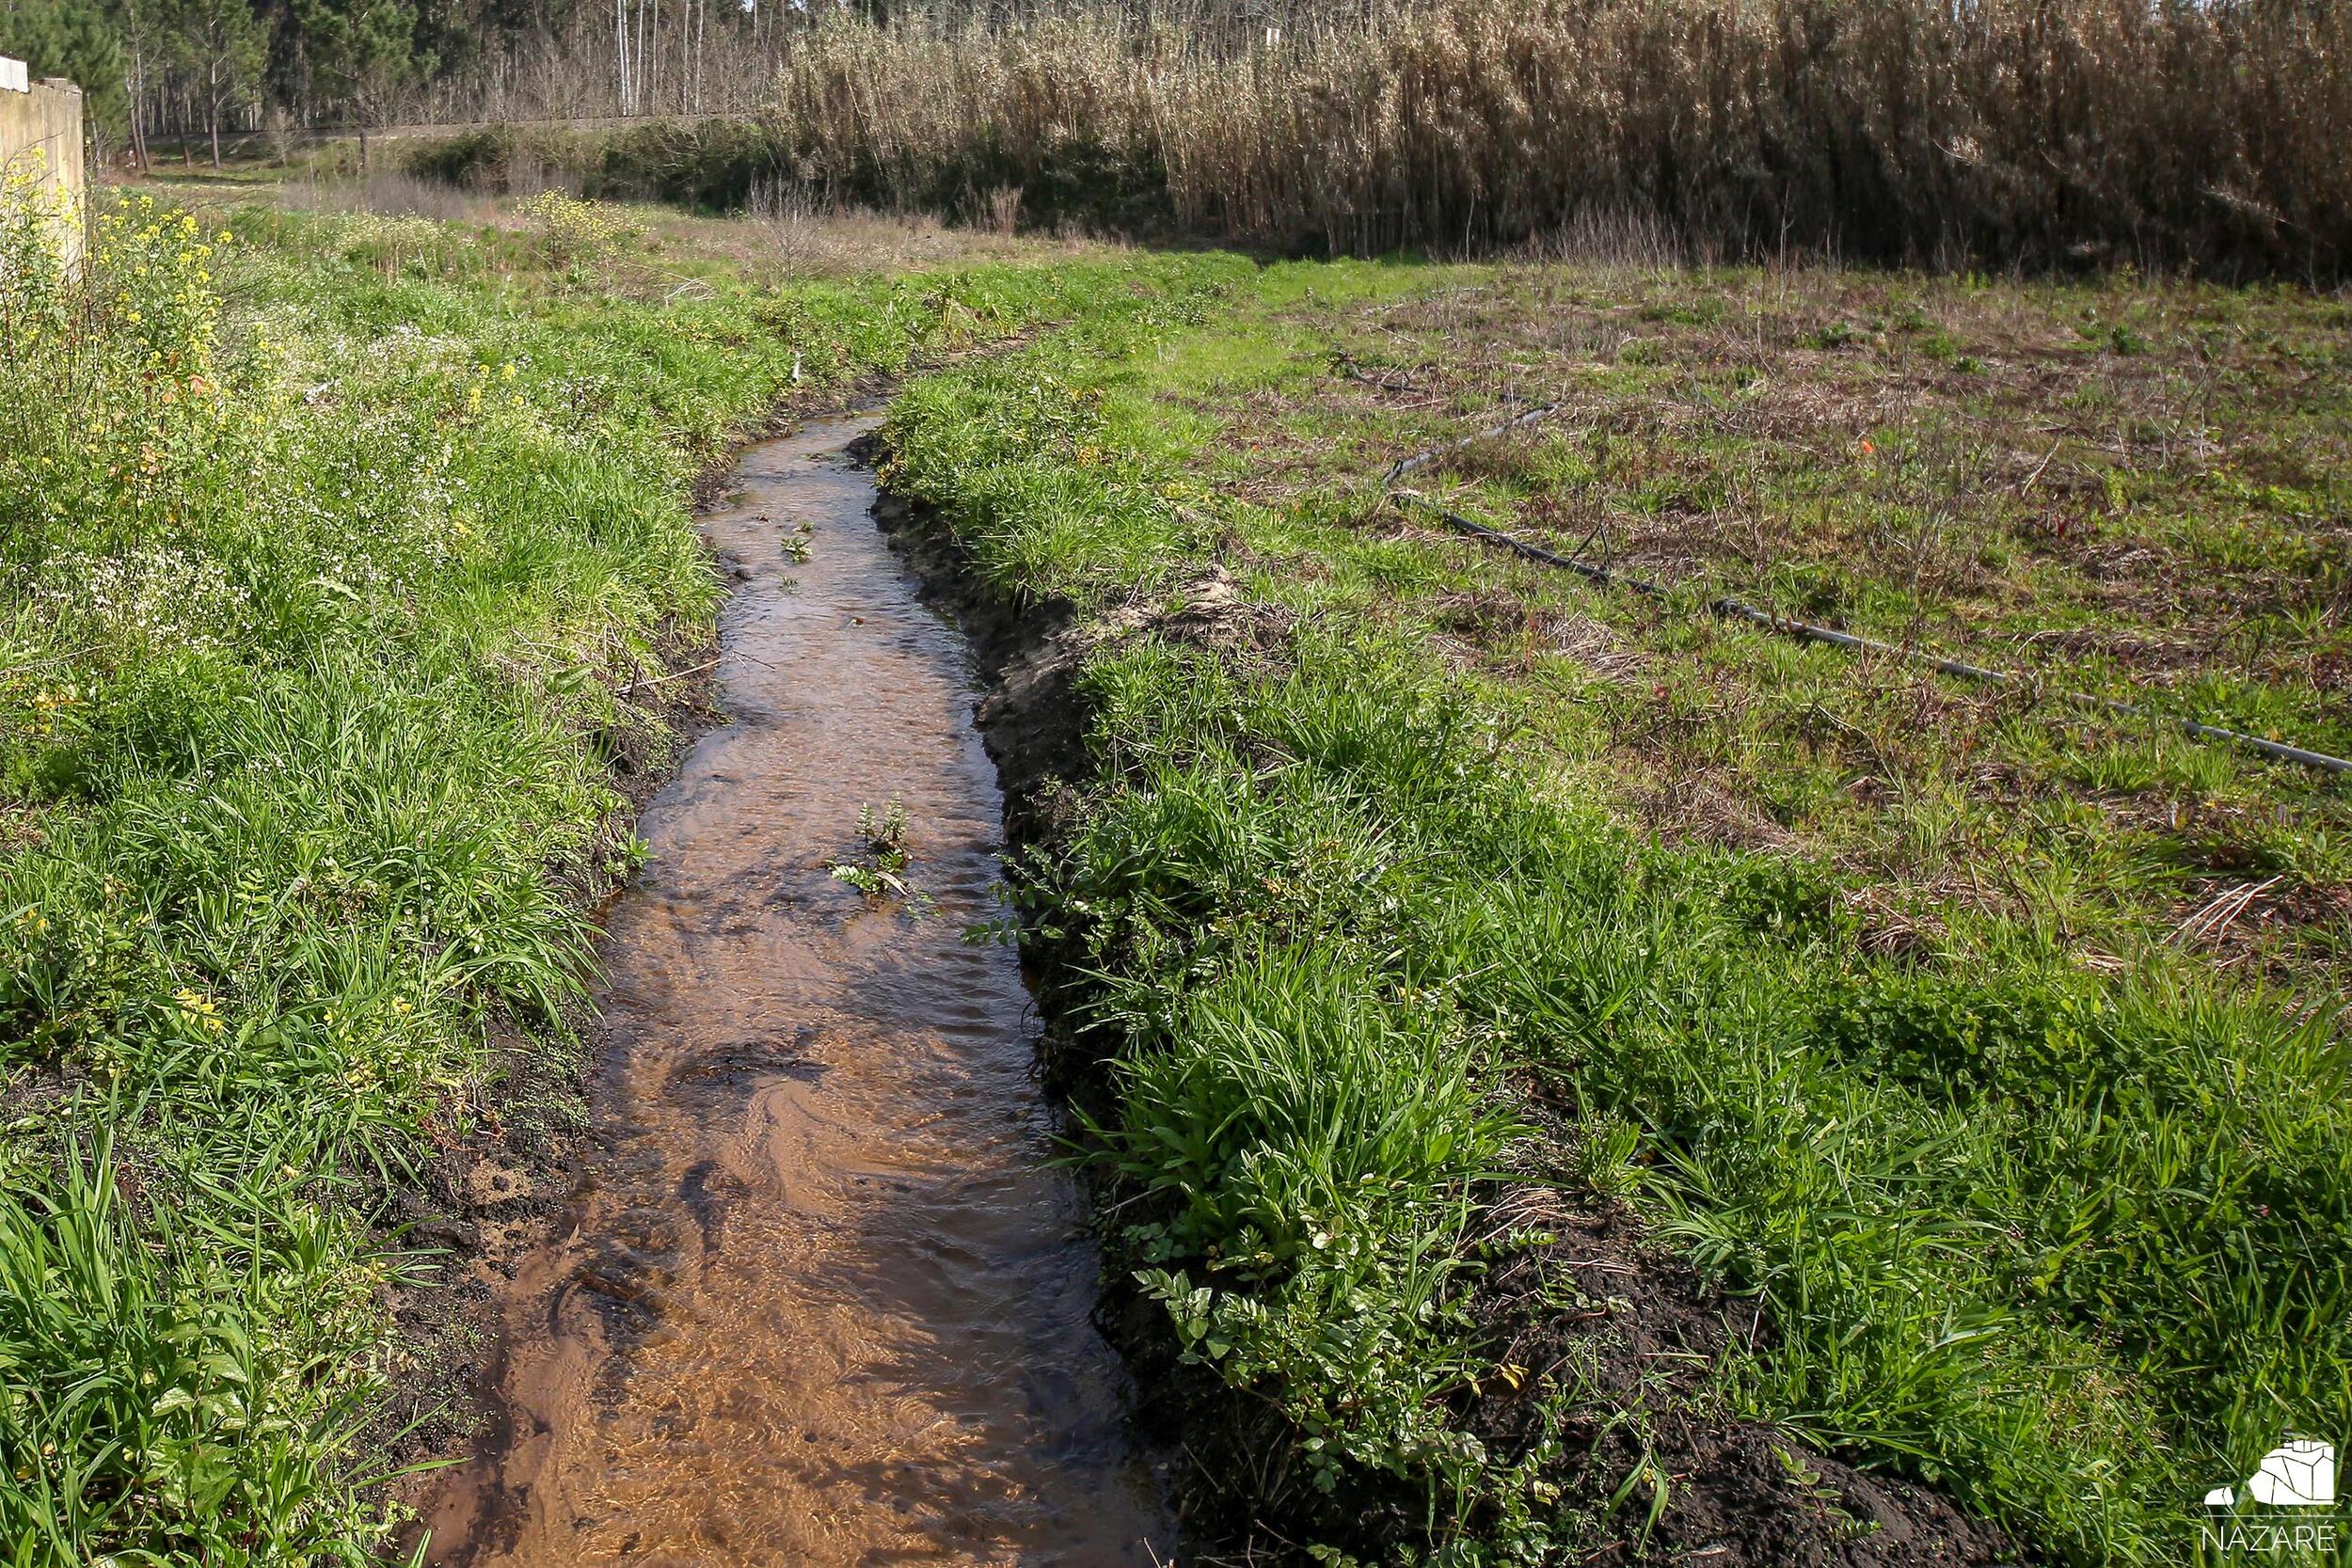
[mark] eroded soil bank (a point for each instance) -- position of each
(817, 1298)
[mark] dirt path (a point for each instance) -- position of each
(817, 1301)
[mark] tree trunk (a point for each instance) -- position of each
(134, 88)
(620, 55)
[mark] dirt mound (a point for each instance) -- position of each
(1591, 1303)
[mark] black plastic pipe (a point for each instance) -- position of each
(1731, 609)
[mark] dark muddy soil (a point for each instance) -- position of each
(1637, 1334)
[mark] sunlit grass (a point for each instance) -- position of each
(332, 550)
(2045, 1226)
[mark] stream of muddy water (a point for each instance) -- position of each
(818, 1299)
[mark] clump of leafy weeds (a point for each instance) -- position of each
(879, 870)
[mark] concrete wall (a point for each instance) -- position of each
(45, 122)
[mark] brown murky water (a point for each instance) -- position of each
(819, 1300)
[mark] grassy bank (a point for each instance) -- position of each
(340, 555)
(2015, 131)
(1967, 1066)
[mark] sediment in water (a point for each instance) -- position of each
(818, 1296)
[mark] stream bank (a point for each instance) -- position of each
(817, 1296)
(1734, 1493)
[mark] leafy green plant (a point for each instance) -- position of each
(882, 870)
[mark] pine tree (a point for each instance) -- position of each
(71, 38)
(366, 50)
(222, 47)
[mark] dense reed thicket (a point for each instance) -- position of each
(2038, 132)
(2009, 128)
(2032, 131)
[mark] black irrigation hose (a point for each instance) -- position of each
(1731, 609)
(1541, 410)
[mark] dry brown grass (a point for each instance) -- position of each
(781, 234)
(2144, 131)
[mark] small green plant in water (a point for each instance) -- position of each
(880, 871)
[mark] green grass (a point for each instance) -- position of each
(2046, 1207)
(1405, 880)
(335, 553)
